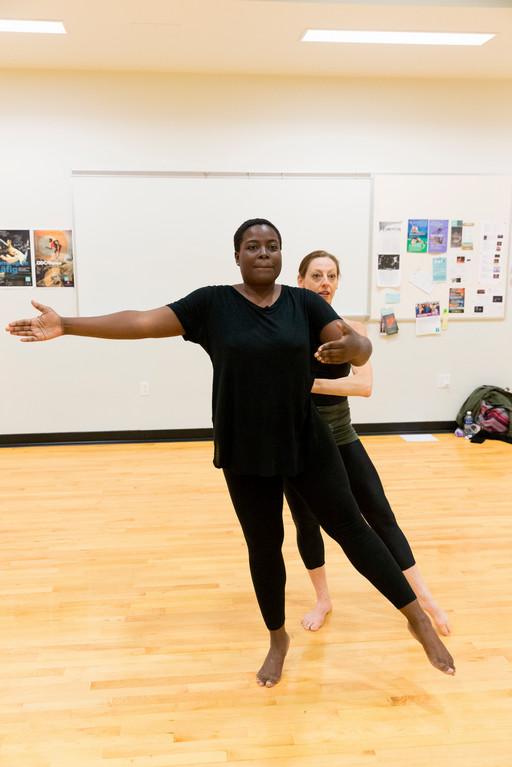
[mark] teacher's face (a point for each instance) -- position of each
(259, 257)
(321, 277)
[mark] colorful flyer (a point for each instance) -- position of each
(439, 269)
(15, 258)
(417, 235)
(428, 318)
(388, 321)
(456, 234)
(456, 300)
(53, 256)
(438, 235)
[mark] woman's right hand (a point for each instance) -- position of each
(43, 328)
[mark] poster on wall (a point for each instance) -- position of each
(438, 235)
(388, 254)
(461, 269)
(417, 235)
(15, 258)
(489, 302)
(439, 268)
(53, 257)
(388, 323)
(428, 318)
(456, 300)
(456, 234)
(492, 253)
(389, 237)
(388, 270)
(468, 235)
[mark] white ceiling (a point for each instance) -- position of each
(256, 37)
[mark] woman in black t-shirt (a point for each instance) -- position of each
(319, 271)
(261, 336)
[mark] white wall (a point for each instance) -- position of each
(54, 123)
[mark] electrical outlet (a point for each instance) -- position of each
(144, 388)
(443, 379)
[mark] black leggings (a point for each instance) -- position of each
(325, 489)
(374, 506)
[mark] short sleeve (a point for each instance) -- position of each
(193, 311)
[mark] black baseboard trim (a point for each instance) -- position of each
(415, 427)
(196, 435)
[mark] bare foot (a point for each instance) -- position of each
(437, 614)
(314, 620)
(270, 673)
(426, 600)
(422, 630)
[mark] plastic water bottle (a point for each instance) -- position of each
(468, 425)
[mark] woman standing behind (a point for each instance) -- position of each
(319, 271)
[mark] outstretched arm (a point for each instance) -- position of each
(341, 343)
(154, 323)
(359, 384)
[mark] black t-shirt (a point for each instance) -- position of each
(331, 372)
(262, 373)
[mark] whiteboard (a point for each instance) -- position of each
(478, 200)
(143, 239)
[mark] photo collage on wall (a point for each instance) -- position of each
(41, 258)
(459, 264)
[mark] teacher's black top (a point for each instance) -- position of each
(262, 374)
(331, 372)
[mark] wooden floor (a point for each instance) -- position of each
(129, 632)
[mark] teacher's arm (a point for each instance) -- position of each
(359, 384)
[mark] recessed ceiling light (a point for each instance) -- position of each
(26, 25)
(394, 38)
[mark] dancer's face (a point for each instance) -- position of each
(321, 277)
(259, 257)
